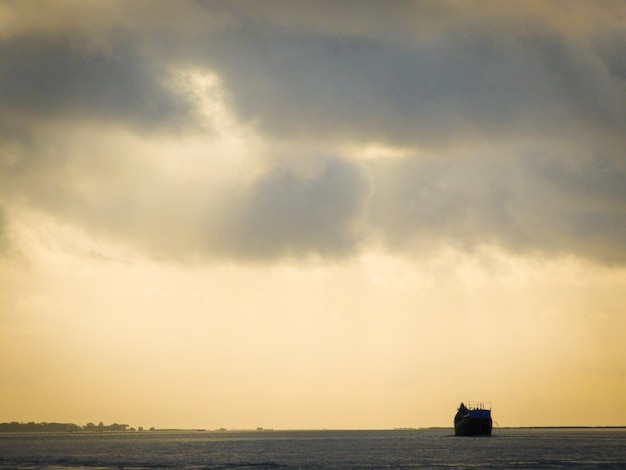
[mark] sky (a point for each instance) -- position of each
(307, 215)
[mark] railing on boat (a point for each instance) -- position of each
(478, 405)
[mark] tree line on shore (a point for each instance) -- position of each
(63, 427)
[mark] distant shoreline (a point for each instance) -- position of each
(44, 427)
(15, 427)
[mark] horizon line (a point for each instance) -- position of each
(264, 429)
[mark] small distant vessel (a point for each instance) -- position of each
(473, 420)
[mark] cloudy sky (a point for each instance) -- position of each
(305, 214)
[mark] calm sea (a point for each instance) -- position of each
(432, 448)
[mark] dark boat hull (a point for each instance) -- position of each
(470, 426)
(472, 421)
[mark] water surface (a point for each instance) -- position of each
(406, 449)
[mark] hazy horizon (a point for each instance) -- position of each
(306, 215)
(141, 428)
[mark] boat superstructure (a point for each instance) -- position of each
(473, 419)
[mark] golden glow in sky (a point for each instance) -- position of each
(307, 215)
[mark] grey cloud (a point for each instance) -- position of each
(581, 206)
(520, 85)
(421, 203)
(465, 84)
(286, 214)
(526, 204)
(281, 214)
(471, 80)
(4, 236)
(60, 77)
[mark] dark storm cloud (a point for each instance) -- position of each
(466, 83)
(59, 77)
(543, 96)
(474, 78)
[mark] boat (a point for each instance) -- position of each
(473, 420)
